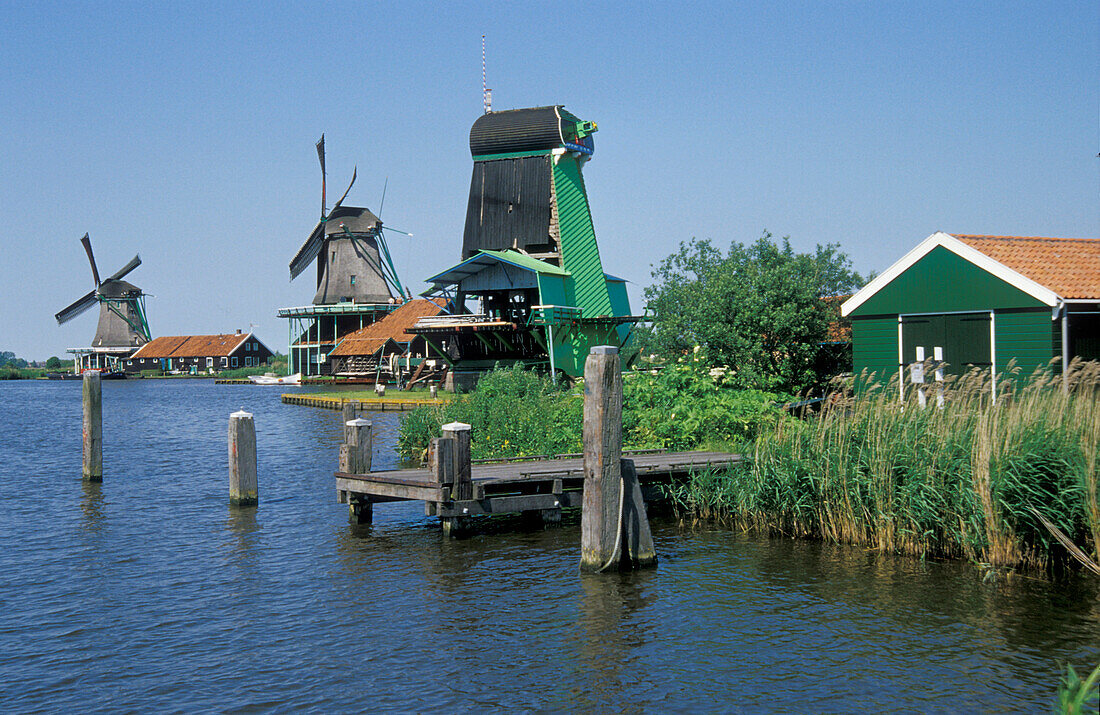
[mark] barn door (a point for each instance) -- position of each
(955, 343)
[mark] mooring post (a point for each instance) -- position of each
(458, 434)
(603, 449)
(93, 427)
(355, 458)
(349, 413)
(243, 485)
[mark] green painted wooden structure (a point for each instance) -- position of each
(949, 303)
(530, 251)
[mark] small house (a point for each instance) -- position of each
(199, 353)
(979, 302)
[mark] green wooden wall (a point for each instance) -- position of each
(875, 347)
(1027, 336)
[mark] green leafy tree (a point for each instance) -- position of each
(53, 363)
(758, 309)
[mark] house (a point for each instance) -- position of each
(979, 302)
(199, 353)
(384, 349)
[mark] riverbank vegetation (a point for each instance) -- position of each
(969, 480)
(516, 412)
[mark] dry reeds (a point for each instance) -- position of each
(955, 480)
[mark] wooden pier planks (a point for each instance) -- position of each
(509, 487)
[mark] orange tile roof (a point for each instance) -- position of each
(180, 346)
(367, 341)
(1068, 266)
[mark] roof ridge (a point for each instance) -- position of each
(1020, 238)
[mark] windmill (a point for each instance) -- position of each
(353, 260)
(122, 321)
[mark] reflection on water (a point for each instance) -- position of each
(92, 507)
(149, 591)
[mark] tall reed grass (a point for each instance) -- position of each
(958, 480)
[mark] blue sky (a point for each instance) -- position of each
(185, 131)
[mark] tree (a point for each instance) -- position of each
(758, 310)
(53, 363)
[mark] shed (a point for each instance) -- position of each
(979, 302)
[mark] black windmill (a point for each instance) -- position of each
(353, 261)
(122, 322)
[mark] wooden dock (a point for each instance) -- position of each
(368, 405)
(545, 485)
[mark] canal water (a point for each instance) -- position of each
(149, 593)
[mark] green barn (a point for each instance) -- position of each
(979, 302)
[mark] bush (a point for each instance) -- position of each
(516, 412)
(513, 412)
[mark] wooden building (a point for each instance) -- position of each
(979, 302)
(199, 353)
(384, 350)
(529, 253)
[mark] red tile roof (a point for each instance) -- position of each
(181, 346)
(367, 341)
(1068, 266)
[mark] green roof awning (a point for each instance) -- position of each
(484, 259)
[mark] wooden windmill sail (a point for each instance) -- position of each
(353, 264)
(122, 322)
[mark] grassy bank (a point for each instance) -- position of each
(964, 481)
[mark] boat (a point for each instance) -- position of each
(271, 379)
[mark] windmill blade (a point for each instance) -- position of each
(321, 158)
(87, 243)
(308, 251)
(353, 173)
(382, 203)
(76, 308)
(134, 263)
(397, 230)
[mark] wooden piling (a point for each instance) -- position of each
(355, 458)
(93, 427)
(637, 540)
(604, 496)
(356, 451)
(462, 488)
(349, 414)
(243, 484)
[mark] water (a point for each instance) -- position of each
(149, 592)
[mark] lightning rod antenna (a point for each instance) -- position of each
(486, 93)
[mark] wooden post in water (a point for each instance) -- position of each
(350, 413)
(355, 458)
(93, 427)
(458, 434)
(603, 450)
(614, 526)
(243, 485)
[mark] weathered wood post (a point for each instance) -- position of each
(355, 458)
(243, 485)
(462, 488)
(349, 413)
(614, 528)
(603, 451)
(93, 427)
